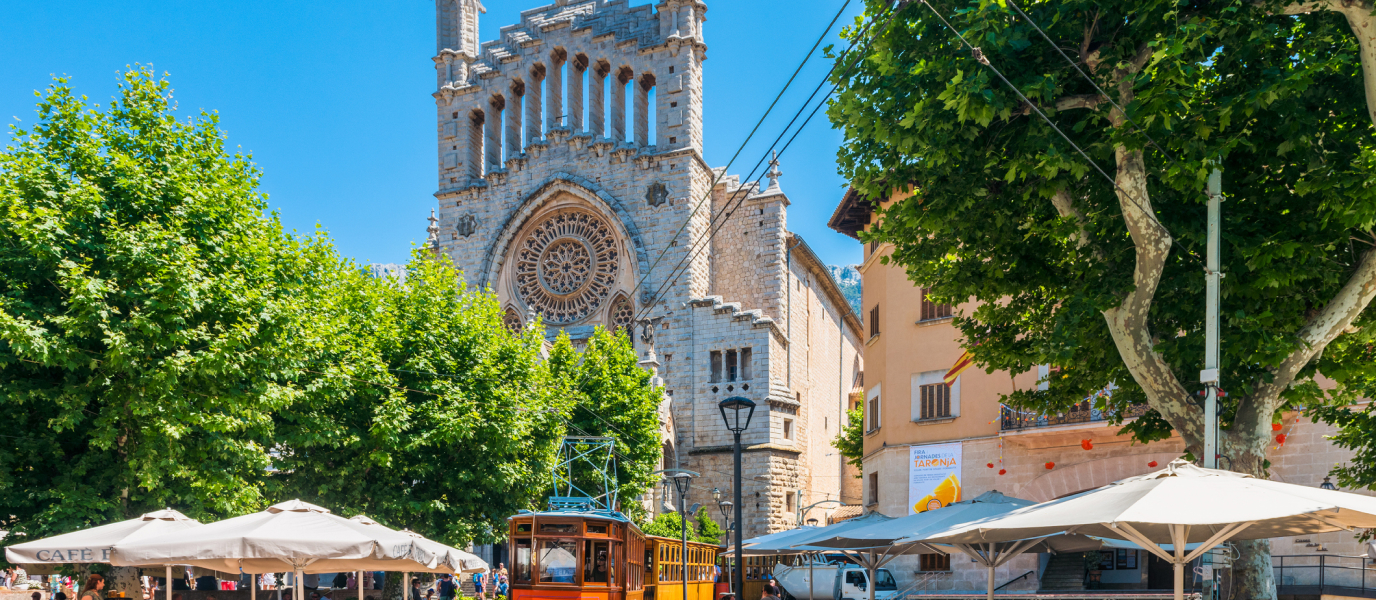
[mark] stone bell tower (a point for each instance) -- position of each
(456, 38)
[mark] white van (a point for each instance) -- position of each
(833, 581)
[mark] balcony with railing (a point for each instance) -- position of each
(1084, 412)
(1325, 575)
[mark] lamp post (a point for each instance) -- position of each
(736, 411)
(683, 480)
(725, 507)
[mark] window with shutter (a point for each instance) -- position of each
(933, 310)
(936, 401)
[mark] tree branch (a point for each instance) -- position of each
(1335, 319)
(1359, 18)
(1065, 206)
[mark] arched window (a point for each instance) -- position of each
(620, 316)
(512, 320)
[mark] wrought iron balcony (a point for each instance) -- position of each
(1084, 412)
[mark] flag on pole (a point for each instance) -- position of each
(963, 363)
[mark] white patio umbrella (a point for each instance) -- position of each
(468, 562)
(291, 536)
(1178, 505)
(93, 545)
(794, 541)
(911, 533)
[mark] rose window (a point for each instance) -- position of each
(566, 266)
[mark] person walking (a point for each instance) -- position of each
(447, 588)
(92, 589)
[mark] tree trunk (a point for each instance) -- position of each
(391, 587)
(123, 579)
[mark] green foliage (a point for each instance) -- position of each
(850, 442)
(153, 314)
(708, 529)
(1277, 100)
(700, 529)
(425, 413)
(612, 397)
(164, 343)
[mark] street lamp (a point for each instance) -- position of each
(1327, 485)
(725, 507)
(683, 481)
(732, 410)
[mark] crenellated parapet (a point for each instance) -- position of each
(602, 77)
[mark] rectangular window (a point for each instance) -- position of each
(790, 501)
(932, 310)
(874, 321)
(732, 370)
(936, 401)
(872, 410)
(932, 398)
(874, 246)
(597, 563)
(745, 363)
(788, 429)
(521, 566)
(558, 561)
(874, 488)
(716, 367)
(569, 528)
(934, 562)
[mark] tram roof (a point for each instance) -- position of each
(609, 515)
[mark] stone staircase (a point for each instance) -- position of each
(1065, 572)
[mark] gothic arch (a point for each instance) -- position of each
(495, 257)
(511, 319)
(1092, 474)
(621, 315)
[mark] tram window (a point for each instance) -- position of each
(522, 563)
(597, 528)
(558, 561)
(597, 562)
(649, 560)
(523, 528)
(569, 528)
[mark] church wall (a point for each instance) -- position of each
(502, 162)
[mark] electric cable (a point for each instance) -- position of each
(980, 57)
(708, 194)
(743, 193)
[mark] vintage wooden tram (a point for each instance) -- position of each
(601, 555)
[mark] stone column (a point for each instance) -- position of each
(642, 109)
(513, 120)
(533, 103)
(597, 111)
(493, 144)
(577, 78)
(618, 113)
(471, 137)
(554, 93)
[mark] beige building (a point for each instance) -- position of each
(911, 343)
(571, 182)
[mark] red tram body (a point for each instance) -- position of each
(601, 555)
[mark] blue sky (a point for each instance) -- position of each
(333, 98)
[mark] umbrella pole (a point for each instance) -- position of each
(406, 585)
(252, 587)
(811, 584)
(991, 582)
(169, 583)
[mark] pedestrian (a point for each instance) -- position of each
(771, 589)
(415, 589)
(341, 581)
(447, 588)
(478, 585)
(94, 584)
(37, 595)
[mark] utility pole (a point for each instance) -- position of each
(1209, 376)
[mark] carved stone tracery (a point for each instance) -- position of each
(566, 266)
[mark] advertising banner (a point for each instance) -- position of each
(933, 477)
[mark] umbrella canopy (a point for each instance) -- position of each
(291, 536)
(796, 541)
(910, 534)
(93, 545)
(1180, 504)
(469, 563)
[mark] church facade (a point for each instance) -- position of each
(572, 183)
